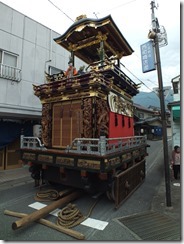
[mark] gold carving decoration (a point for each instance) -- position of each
(29, 156)
(119, 105)
(65, 161)
(126, 156)
(45, 158)
(46, 124)
(87, 117)
(102, 112)
(99, 38)
(114, 161)
(136, 153)
(91, 164)
(82, 16)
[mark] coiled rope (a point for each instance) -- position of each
(71, 216)
(48, 195)
(51, 194)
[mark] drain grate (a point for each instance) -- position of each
(152, 226)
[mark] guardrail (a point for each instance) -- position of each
(94, 146)
(103, 145)
(31, 142)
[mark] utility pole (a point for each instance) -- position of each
(153, 34)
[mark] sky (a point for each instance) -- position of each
(133, 18)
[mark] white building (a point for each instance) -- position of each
(27, 51)
(175, 111)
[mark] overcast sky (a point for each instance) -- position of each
(133, 18)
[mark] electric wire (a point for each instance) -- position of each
(97, 18)
(61, 11)
(137, 78)
(111, 9)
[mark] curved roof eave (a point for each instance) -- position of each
(105, 25)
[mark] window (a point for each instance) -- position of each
(116, 120)
(123, 121)
(8, 66)
(129, 123)
(175, 87)
(53, 70)
(10, 60)
(141, 115)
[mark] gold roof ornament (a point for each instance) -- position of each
(82, 16)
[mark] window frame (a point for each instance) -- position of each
(8, 71)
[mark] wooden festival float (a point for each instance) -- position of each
(88, 139)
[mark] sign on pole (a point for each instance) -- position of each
(147, 57)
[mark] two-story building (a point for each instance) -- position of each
(147, 122)
(27, 51)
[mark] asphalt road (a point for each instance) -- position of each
(18, 198)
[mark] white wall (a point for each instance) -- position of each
(176, 125)
(176, 97)
(175, 134)
(34, 45)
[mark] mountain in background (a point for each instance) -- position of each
(147, 99)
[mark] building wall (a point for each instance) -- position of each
(143, 113)
(175, 124)
(176, 97)
(174, 81)
(34, 46)
(31, 48)
(175, 132)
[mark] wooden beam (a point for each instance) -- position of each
(45, 222)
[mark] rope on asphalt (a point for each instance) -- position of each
(48, 195)
(71, 216)
(52, 194)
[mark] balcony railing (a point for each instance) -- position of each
(10, 73)
(103, 146)
(94, 146)
(31, 142)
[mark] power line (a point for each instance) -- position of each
(165, 75)
(137, 78)
(97, 18)
(61, 11)
(118, 6)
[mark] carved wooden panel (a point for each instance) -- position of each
(87, 118)
(102, 111)
(56, 124)
(46, 124)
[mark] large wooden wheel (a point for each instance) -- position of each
(110, 193)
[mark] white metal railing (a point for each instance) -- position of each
(31, 142)
(10, 73)
(94, 146)
(103, 145)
